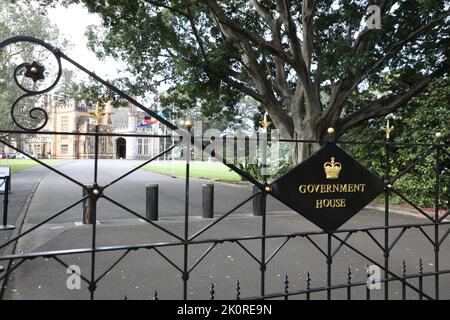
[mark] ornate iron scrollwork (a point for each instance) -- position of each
(35, 72)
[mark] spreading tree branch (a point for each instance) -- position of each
(386, 105)
(345, 88)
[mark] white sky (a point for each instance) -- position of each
(72, 23)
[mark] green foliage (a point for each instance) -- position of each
(180, 43)
(415, 123)
(255, 169)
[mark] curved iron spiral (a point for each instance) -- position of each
(35, 72)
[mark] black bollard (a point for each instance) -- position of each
(208, 200)
(87, 207)
(151, 207)
(258, 203)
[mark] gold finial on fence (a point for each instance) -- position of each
(330, 131)
(265, 123)
(188, 124)
(388, 130)
(97, 115)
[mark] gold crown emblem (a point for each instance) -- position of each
(332, 169)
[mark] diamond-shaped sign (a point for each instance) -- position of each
(328, 188)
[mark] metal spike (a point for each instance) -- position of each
(238, 290)
(155, 295)
(308, 281)
(367, 287)
(286, 284)
(404, 281)
(404, 269)
(420, 279)
(349, 276)
(125, 298)
(308, 286)
(211, 292)
(349, 283)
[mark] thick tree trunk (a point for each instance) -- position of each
(306, 119)
(302, 150)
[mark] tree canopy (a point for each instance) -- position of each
(311, 64)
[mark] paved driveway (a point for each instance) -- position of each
(56, 192)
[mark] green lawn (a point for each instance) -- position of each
(210, 170)
(18, 165)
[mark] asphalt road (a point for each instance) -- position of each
(22, 183)
(56, 192)
(144, 271)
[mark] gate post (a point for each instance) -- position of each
(259, 205)
(208, 200)
(151, 203)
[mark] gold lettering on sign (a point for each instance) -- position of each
(330, 203)
(332, 188)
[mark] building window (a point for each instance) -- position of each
(64, 148)
(139, 146)
(65, 123)
(146, 146)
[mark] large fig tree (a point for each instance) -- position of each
(311, 64)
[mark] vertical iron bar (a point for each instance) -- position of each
(264, 214)
(367, 285)
(96, 155)
(92, 285)
(186, 221)
(263, 246)
(329, 262)
(386, 217)
(308, 286)
(286, 287)
(420, 279)
(5, 202)
(238, 290)
(349, 284)
(212, 292)
(436, 220)
(404, 279)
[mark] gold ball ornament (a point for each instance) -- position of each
(188, 124)
(330, 130)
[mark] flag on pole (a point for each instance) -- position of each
(147, 122)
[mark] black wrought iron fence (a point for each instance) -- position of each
(327, 244)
